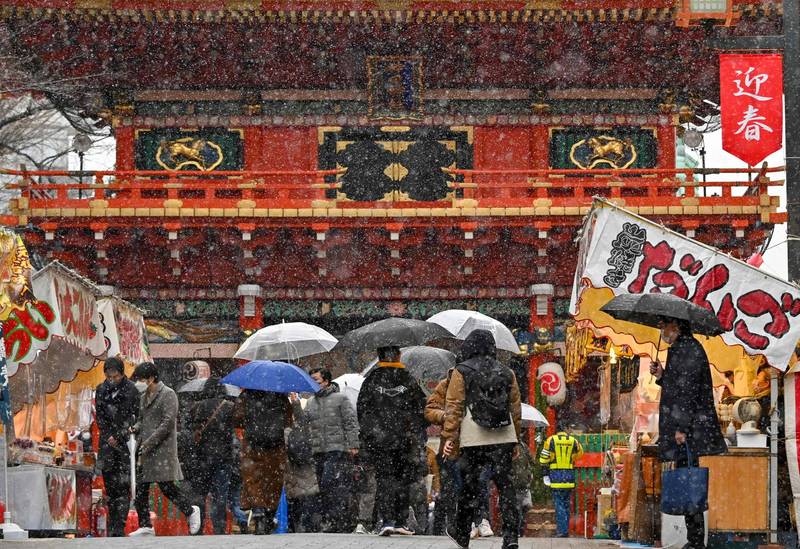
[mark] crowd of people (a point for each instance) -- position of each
(366, 468)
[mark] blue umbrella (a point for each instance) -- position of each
(267, 375)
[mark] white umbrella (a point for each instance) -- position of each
(350, 385)
(460, 323)
(533, 416)
(132, 450)
(286, 341)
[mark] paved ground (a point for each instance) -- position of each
(299, 541)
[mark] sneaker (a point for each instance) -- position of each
(458, 540)
(143, 531)
(510, 545)
(194, 520)
(404, 531)
(386, 531)
(474, 532)
(360, 529)
(485, 529)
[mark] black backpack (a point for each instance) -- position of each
(488, 391)
(298, 446)
(266, 423)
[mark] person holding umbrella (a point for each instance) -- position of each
(390, 411)
(263, 415)
(687, 418)
(334, 440)
(264, 411)
(116, 405)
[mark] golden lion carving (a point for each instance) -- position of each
(612, 150)
(181, 151)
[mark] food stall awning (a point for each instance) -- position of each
(123, 330)
(54, 335)
(621, 252)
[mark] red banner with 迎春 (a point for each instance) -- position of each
(751, 103)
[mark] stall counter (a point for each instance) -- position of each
(46, 498)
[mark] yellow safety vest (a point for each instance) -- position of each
(560, 452)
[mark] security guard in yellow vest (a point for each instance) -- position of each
(560, 452)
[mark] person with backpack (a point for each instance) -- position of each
(482, 424)
(559, 454)
(263, 415)
(390, 411)
(334, 440)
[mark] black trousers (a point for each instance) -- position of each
(695, 524)
(170, 491)
(335, 480)
(393, 478)
(444, 512)
(117, 480)
(472, 463)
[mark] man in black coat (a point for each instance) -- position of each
(390, 410)
(117, 405)
(687, 417)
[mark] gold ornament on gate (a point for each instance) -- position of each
(189, 152)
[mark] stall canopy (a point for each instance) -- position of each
(124, 330)
(621, 252)
(54, 336)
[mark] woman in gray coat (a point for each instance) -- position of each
(158, 449)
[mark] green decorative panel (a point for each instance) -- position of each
(181, 310)
(603, 148)
(207, 149)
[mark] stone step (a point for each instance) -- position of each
(541, 514)
(540, 523)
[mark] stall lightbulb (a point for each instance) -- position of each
(612, 355)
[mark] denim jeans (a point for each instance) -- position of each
(214, 481)
(233, 500)
(335, 480)
(562, 498)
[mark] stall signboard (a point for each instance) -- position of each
(123, 330)
(64, 307)
(621, 252)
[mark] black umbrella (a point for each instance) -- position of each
(650, 309)
(392, 332)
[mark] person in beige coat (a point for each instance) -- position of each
(483, 417)
(157, 438)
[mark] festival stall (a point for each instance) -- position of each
(54, 342)
(623, 253)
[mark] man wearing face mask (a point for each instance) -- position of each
(157, 437)
(687, 418)
(117, 405)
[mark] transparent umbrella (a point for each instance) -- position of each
(461, 322)
(286, 341)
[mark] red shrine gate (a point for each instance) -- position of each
(346, 163)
